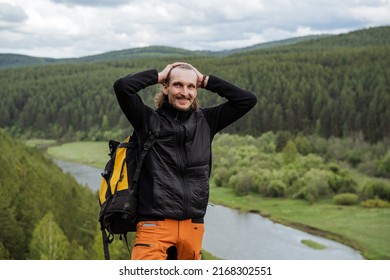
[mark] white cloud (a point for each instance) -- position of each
(92, 2)
(73, 28)
(11, 13)
(378, 12)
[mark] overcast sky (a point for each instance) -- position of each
(75, 28)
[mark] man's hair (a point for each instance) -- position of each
(161, 97)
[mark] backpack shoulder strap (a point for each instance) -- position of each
(153, 130)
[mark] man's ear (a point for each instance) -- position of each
(165, 89)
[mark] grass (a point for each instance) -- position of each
(313, 244)
(91, 153)
(208, 256)
(41, 142)
(366, 230)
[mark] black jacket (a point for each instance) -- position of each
(174, 181)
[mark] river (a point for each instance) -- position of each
(234, 235)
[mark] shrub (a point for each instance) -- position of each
(384, 165)
(354, 157)
(376, 189)
(289, 176)
(335, 168)
(243, 182)
(368, 167)
(312, 185)
(317, 182)
(342, 184)
(310, 161)
(307, 193)
(346, 199)
(375, 203)
(263, 179)
(303, 145)
(267, 142)
(276, 188)
(221, 176)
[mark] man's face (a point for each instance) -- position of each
(181, 90)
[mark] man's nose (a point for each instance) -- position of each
(186, 90)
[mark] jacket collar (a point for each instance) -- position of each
(178, 115)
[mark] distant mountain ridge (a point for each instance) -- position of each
(16, 60)
(380, 34)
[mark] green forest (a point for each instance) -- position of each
(35, 197)
(46, 214)
(319, 134)
(335, 86)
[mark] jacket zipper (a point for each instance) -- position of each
(180, 156)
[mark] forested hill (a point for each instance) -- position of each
(330, 86)
(39, 202)
(362, 38)
(16, 60)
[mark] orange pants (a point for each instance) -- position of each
(153, 238)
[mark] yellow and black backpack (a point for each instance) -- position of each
(118, 187)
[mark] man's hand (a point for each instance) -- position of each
(163, 75)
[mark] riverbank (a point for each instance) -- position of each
(366, 230)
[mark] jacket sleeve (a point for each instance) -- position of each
(126, 90)
(239, 102)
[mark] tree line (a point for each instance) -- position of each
(325, 87)
(308, 168)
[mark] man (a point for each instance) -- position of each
(174, 180)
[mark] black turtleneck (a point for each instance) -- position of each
(174, 113)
